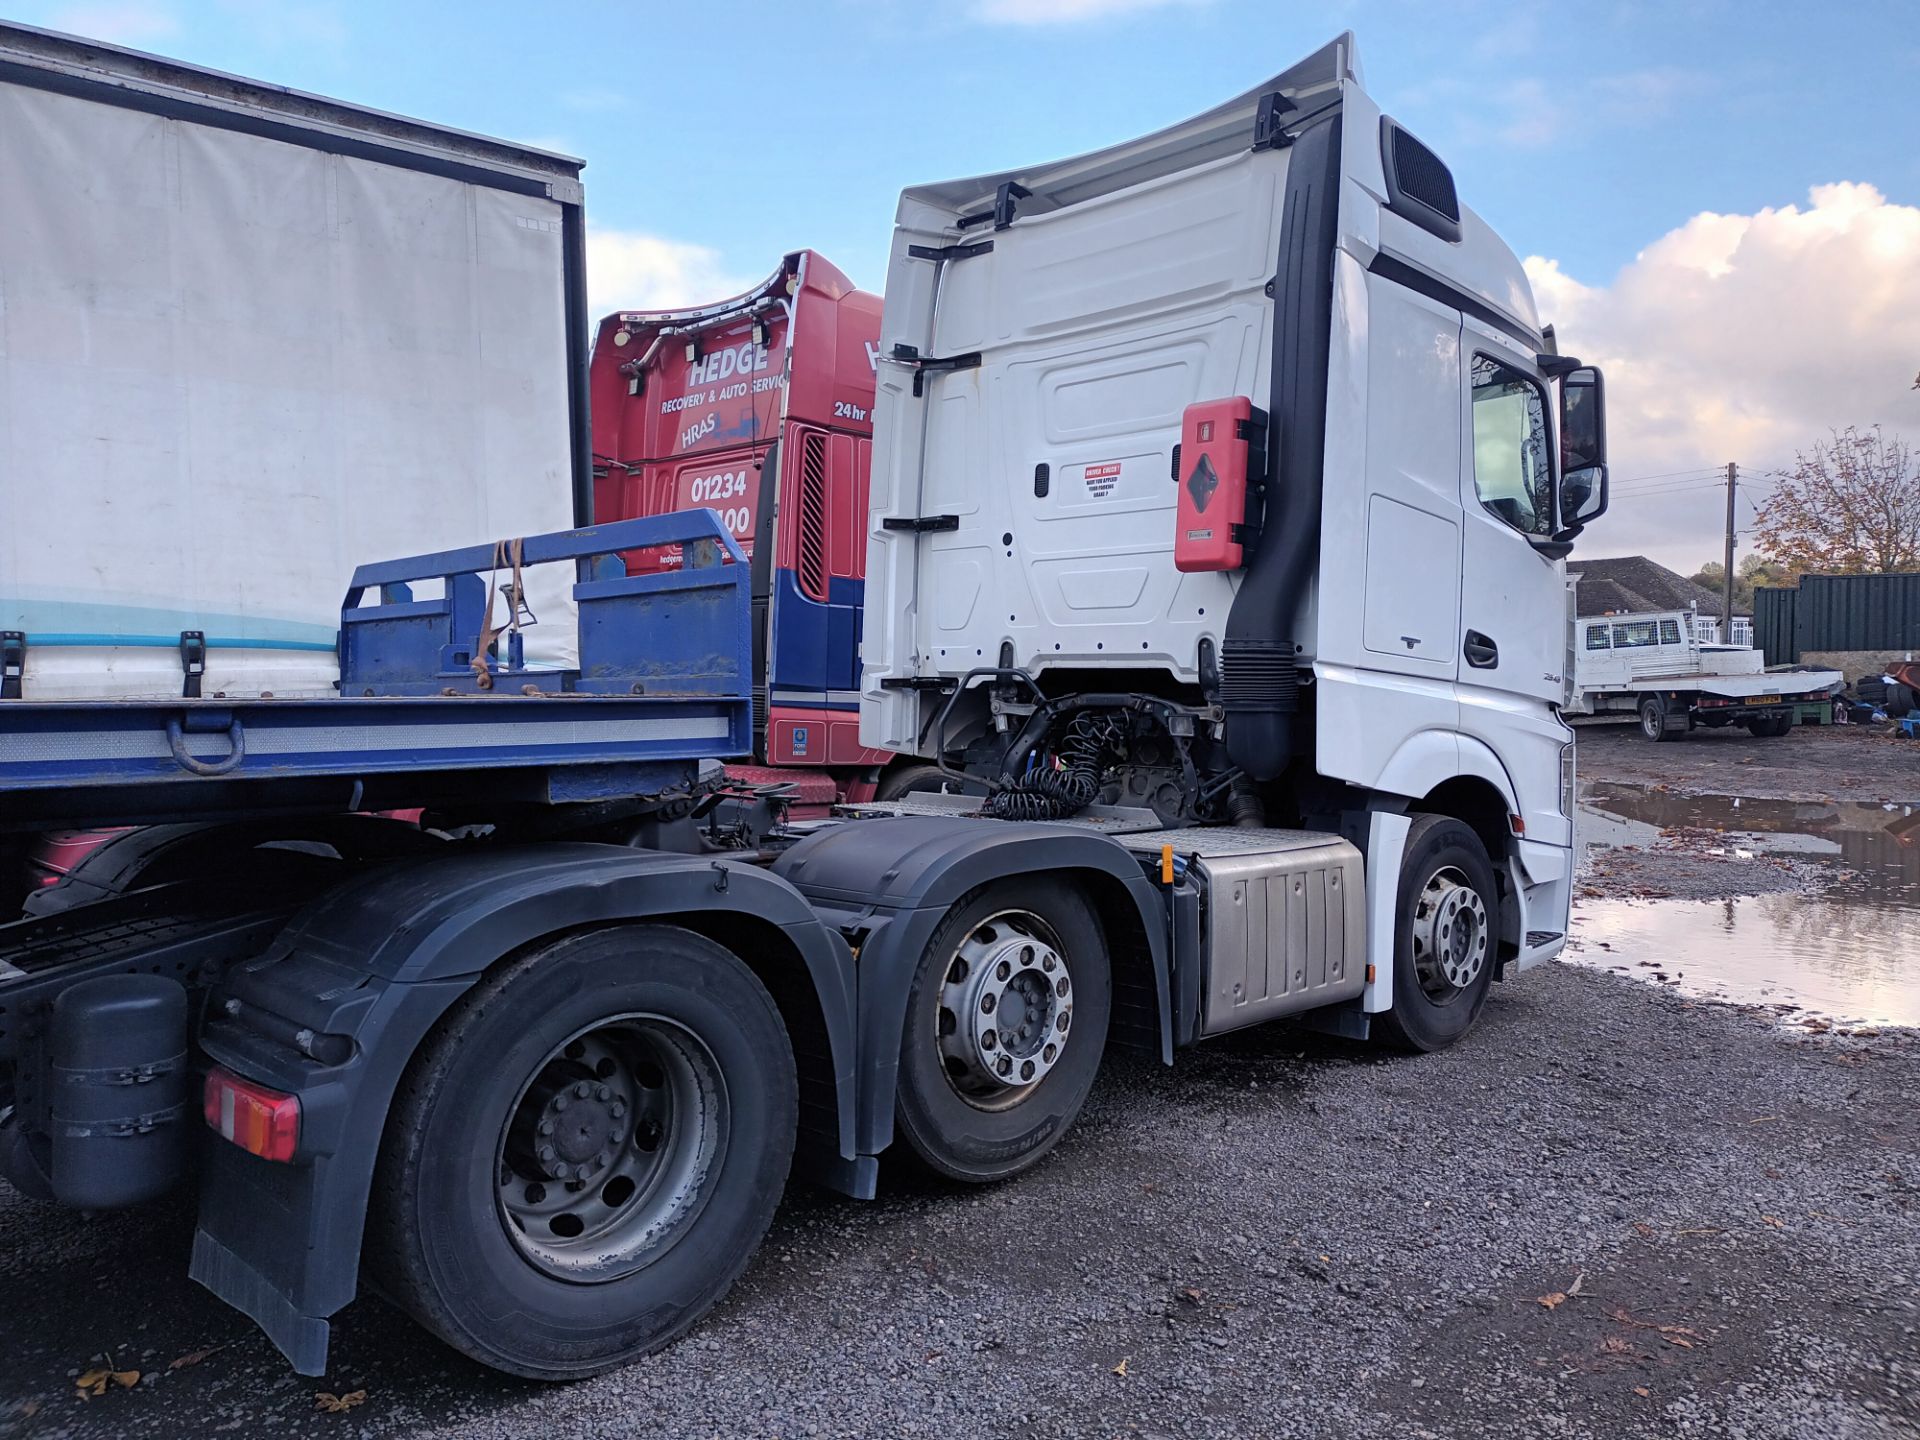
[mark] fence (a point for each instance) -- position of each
(1706, 629)
(1838, 612)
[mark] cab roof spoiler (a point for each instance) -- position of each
(1309, 89)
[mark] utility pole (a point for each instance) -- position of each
(1726, 580)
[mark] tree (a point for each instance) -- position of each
(1848, 506)
(1752, 572)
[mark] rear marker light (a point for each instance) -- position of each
(260, 1121)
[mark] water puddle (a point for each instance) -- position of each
(1848, 953)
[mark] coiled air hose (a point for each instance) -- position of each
(1071, 782)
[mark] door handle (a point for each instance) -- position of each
(1482, 653)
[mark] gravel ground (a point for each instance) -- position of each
(1285, 1235)
(1811, 762)
(1693, 865)
(1614, 1211)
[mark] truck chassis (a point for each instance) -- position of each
(553, 1054)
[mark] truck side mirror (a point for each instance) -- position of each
(1583, 450)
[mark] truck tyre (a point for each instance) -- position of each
(922, 780)
(1770, 727)
(1005, 1025)
(1901, 701)
(1653, 720)
(910, 780)
(1446, 935)
(585, 1152)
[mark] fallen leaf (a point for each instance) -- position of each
(94, 1382)
(1558, 1297)
(1644, 1230)
(1193, 1296)
(1121, 1368)
(1642, 1391)
(1578, 1281)
(334, 1404)
(1617, 1345)
(1680, 1340)
(1775, 1221)
(194, 1357)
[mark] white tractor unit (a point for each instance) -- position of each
(1222, 482)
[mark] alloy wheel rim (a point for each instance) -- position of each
(1005, 1010)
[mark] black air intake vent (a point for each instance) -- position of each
(812, 569)
(1419, 184)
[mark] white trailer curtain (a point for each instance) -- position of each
(231, 368)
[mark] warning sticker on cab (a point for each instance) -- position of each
(1101, 479)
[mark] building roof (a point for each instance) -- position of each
(1633, 584)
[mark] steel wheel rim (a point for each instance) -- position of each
(1652, 722)
(1451, 935)
(1004, 1015)
(603, 1159)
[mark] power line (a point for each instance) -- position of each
(1664, 474)
(1686, 489)
(1663, 484)
(1714, 481)
(1666, 486)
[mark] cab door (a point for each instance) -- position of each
(1509, 650)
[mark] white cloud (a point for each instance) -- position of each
(1057, 12)
(631, 270)
(1743, 337)
(118, 22)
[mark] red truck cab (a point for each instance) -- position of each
(760, 407)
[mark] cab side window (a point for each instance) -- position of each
(1597, 637)
(1669, 632)
(1512, 466)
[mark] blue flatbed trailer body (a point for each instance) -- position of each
(663, 681)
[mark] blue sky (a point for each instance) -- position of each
(719, 133)
(1579, 131)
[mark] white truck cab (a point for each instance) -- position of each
(1382, 637)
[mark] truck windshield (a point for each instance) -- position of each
(1512, 466)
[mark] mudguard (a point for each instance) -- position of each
(891, 882)
(336, 1009)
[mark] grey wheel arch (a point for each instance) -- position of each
(893, 881)
(371, 967)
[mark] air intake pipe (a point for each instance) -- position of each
(1259, 679)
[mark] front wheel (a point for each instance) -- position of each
(1446, 935)
(1006, 1021)
(586, 1151)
